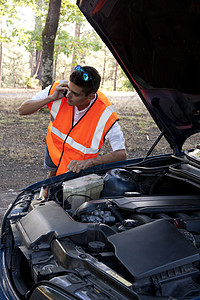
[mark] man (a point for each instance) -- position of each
(81, 119)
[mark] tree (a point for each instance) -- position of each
(1, 50)
(115, 75)
(77, 36)
(104, 64)
(8, 8)
(37, 71)
(15, 69)
(48, 39)
(71, 39)
(3, 11)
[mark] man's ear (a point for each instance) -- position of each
(91, 96)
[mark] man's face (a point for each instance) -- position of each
(76, 97)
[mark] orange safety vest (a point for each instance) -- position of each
(84, 140)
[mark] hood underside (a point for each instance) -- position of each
(157, 45)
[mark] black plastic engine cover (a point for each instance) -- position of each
(45, 222)
(153, 248)
(158, 204)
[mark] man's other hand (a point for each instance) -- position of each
(78, 165)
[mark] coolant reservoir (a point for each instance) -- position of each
(82, 189)
(117, 182)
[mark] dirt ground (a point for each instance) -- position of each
(23, 138)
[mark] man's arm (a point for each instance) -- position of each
(78, 165)
(31, 106)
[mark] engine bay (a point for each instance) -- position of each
(131, 233)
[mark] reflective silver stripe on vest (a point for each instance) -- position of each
(96, 138)
(100, 126)
(72, 143)
(55, 108)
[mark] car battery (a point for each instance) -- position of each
(82, 189)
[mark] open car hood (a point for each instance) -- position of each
(157, 45)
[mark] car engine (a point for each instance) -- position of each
(130, 233)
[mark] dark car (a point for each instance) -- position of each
(131, 229)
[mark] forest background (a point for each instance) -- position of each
(42, 40)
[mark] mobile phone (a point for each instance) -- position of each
(65, 93)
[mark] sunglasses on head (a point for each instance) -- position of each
(85, 75)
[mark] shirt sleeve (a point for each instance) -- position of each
(115, 137)
(42, 94)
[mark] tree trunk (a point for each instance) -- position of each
(38, 56)
(32, 63)
(104, 65)
(38, 64)
(1, 52)
(115, 76)
(55, 69)
(39, 73)
(77, 37)
(48, 39)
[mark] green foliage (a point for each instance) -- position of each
(126, 85)
(6, 8)
(70, 13)
(65, 41)
(30, 39)
(31, 82)
(10, 7)
(84, 47)
(3, 7)
(15, 66)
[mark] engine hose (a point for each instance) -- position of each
(115, 212)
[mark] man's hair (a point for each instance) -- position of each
(90, 86)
